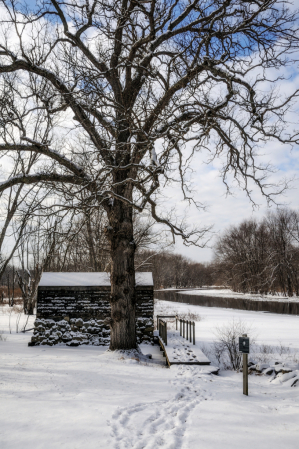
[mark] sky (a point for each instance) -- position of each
(223, 211)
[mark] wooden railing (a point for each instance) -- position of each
(163, 330)
(187, 329)
(164, 316)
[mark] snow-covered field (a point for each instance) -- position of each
(227, 293)
(85, 397)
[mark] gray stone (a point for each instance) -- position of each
(79, 322)
(295, 381)
(278, 368)
(73, 343)
(286, 370)
(269, 371)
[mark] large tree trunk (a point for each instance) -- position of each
(120, 234)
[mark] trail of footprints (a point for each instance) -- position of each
(159, 424)
(182, 351)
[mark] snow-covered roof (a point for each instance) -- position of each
(52, 279)
(145, 278)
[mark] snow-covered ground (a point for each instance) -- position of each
(227, 293)
(85, 397)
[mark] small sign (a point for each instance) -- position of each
(244, 345)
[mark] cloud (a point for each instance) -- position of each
(225, 210)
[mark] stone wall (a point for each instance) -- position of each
(79, 315)
(145, 314)
(73, 302)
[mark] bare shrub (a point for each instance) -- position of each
(283, 350)
(218, 352)
(14, 315)
(268, 354)
(193, 316)
(264, 353)
(295, 358)
(2, 337)
(168, 310)
(226, 348)
(15, 309)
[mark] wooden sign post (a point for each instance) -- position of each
(244, 348)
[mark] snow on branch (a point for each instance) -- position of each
(39, 177)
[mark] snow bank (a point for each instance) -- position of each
(227, 293)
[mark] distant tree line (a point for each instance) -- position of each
(81, 245)
(175, 270)
(256, 256)
(261, 256)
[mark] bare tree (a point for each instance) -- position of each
(261, 256)
(16, 209)
(245, 257)
(126, 92)
(43, 249)
(175, 270)
(282, 226)
(83, 245)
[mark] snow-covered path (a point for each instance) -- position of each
(179, 350)
(162, 423)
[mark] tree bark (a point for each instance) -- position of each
(122, 245)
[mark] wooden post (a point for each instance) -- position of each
(190, 334)
(187, 325)
(13, 285)
(165, 333)
(183, 328)
(180, 327)
(245, 372)
(176, 323)
(8, 290)
(194, 332)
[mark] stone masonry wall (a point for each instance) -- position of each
(144, 315)
(78, 315)
(74, 302)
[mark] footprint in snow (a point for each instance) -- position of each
(158, 424)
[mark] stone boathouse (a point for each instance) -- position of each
(74, 309)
